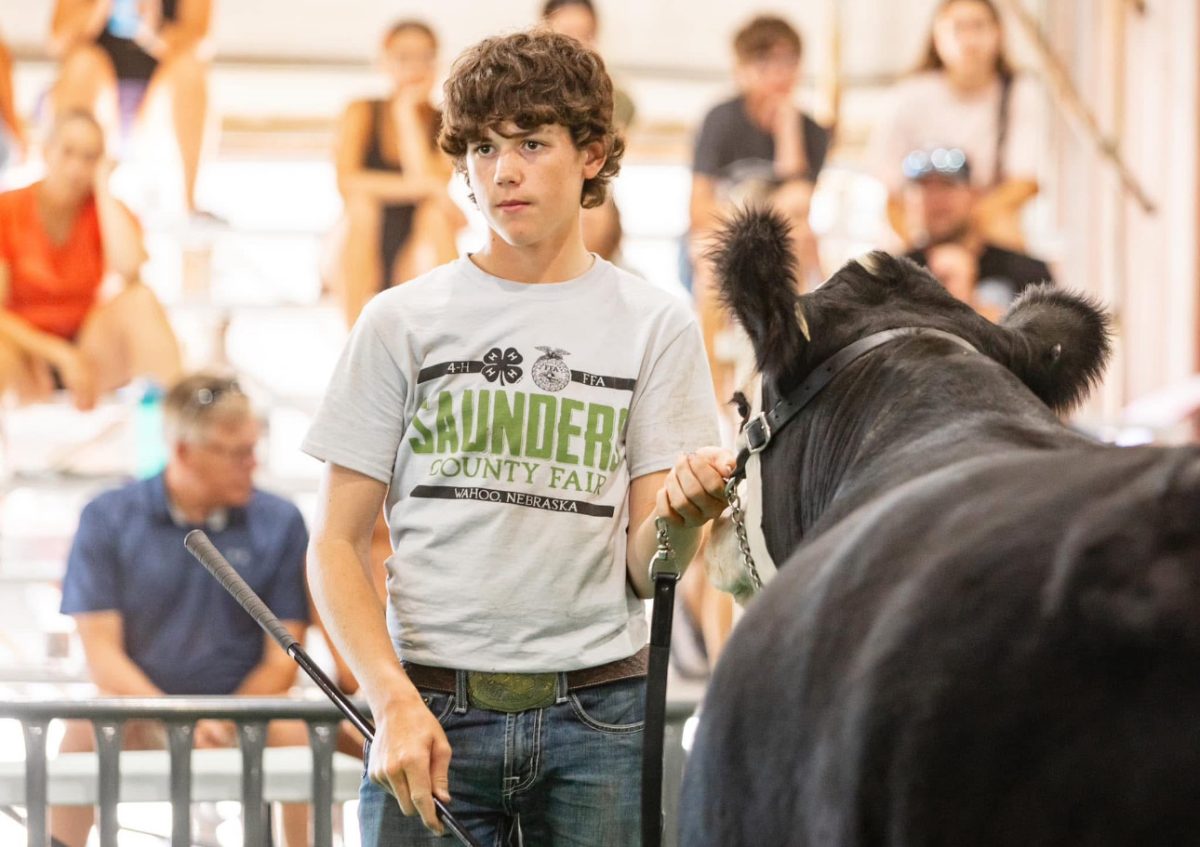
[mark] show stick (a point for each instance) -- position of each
(206, 553)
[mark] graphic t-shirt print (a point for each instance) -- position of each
(552, 445)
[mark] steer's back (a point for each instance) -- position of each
(1004, 652)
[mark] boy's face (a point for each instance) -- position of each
(528, 182)
(773, 74)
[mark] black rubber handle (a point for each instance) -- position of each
(208, 555)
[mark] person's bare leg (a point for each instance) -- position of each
(430, 244)
(602, 229)
(29, 379)
(360, 266)
(71, 824)
(129, 336)
(184, 81)
(294, 815)
(87, 81)
(713, 320)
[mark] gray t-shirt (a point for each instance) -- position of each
(508, 420)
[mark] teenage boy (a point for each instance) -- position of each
(525, 411)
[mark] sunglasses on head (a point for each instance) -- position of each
(949, 162)
(206, 395)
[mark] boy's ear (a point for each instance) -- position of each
(594, 159)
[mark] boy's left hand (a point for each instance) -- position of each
(694, 491)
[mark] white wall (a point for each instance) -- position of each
(685, 35)
(674, 56)
(1143, 265)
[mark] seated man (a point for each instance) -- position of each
(58, 239)
(939, 200)
(121, 56)
(151, 619)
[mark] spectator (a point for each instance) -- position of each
(757, 145)
(938, 199)
(152, 621)
(577, 18)
(400, 220)
(58, 238)
(965, 94)
(12, 131)
(118, 56)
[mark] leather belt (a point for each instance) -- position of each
(519, 692)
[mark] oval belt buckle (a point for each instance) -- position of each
(512, 692)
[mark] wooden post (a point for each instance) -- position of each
(1113, 72)
(830, 81)
(1067, 97)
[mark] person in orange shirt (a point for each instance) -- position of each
(59, 239)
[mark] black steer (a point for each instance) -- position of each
(987, 627)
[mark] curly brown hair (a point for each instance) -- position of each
(533, 78)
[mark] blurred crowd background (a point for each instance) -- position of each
(242, 177)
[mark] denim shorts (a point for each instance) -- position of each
(567, 774)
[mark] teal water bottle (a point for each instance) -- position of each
(150, 454)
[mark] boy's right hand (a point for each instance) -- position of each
(410, 758)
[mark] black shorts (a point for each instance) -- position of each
(129, 60)
(397, 229)
(55, 376)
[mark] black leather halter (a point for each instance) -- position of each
(760, 429)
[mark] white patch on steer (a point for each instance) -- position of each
(723, 561)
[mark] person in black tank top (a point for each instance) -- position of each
(117, 55)
(123, 38)
(399, 220)
(396, 226)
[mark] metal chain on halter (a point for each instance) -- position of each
(739, 526)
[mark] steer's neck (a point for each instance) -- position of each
(884, 422)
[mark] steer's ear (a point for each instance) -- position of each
(1059, 344)
(756, 272)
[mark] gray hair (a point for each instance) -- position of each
(200, 400)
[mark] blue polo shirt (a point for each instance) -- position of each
(180, 626)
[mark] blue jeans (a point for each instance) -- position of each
(568, 774)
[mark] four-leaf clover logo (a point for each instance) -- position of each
(502, 365)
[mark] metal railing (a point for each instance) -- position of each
(178, 715)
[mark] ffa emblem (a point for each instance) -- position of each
(502, 366)
(550, 372)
